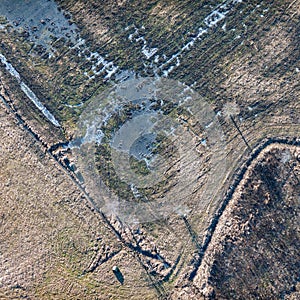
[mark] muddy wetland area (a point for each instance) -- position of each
(149, 149)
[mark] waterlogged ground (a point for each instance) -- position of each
(40, 20)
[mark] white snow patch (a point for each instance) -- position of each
(149, 52)
(214, 18)
(209, 125)
(204, 142)
(111, 71)
(210, 21)
(10, 68)
(29, 93)
(137, 37)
